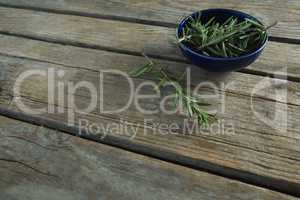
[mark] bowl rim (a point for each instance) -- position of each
(186, 48)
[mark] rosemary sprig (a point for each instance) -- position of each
(231, 38)
(192, 104)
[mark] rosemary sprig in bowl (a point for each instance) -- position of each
(231, 38)
(222, 40)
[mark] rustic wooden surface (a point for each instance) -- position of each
(81, 42)
(39, 163)
(276, 150)
(286, 12)
(128, 37)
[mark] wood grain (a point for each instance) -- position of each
(97, 60)
(127, 37)
(286, 12)
(255, 147)
(37, 163)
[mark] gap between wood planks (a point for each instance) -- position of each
(146, 79)
(281, 186)
(135, 53)
(128, 19)
(290, 188)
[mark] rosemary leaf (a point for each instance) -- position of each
(191, 103)
(140, 71)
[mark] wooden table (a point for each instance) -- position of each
(41, 157)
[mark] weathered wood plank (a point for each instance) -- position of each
(286, 12)
(37, 162)
(97, 60)
(255, 147)
(123, 36)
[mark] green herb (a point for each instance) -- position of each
(231, 38)
(192, 104)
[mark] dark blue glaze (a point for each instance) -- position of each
(214, 64)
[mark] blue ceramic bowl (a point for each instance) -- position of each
(214, 64)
